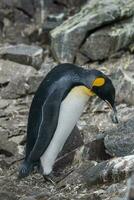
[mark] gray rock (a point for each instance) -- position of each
(26, 6)
(15, 89)
(124, 82)
(71, 3)
(21, 86)
(33, 83)
(110, 171)
(7, 196)
(131, 48)
(119, 140)
(4, 103)
(23, 54)
(68, 37)
(8, 148)
(76, 177)
(11, 70)
(81, 59)
(130, 195)
(106, 41)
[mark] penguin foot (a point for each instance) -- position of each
(52, 178)
(25, 169)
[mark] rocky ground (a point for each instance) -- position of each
(98, 159)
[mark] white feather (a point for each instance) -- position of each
(70, 110)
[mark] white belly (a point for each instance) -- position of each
(70, 111)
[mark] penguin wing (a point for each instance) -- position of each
(48, 124)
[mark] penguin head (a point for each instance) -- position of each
(102, 86)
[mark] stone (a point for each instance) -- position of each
(21, 86)
(23, 54)
(76, 176)
(96, 150)
(113, 170)
(71, 3)
(4, 103)
(130, 194)
(27, 7)
(131, 48)
(8, 148)
(7, 196)
(33, 83)
(15, 89)
(10, 70)
(123, 79)
(103, 43)
(81, 59)
(119, 140)
(67, 38)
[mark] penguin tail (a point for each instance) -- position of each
(25, 169)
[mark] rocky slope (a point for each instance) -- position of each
(98, 158)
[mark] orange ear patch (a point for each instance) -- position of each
(98, 82)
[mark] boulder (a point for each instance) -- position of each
(7, 148)
(69, 36)
(125, 86)
(103, 43)
(71, 3)
(7, 195)
(23, 54)
(21, 86)
(113, 170)
(119, 140)
(11, 70)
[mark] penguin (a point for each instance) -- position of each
(56, 107)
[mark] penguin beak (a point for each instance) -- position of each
(114, 113)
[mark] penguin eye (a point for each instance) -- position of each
(98, 82)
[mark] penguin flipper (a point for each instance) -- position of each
(48, 124)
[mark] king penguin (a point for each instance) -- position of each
(56, 107)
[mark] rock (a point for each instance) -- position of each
(106, 41)
(8, 148)
(47, 65)
(71, 3)
(125, 83)
(119, 140)
(15, 89)
(52, 21)
(130, 194)
(21, 17)
(96, 150)
(131, 48)
(42, 35)
(21, 86)
(7, 196)
(81, 59)
(33, 83)
(23, 54)
(76, 177)
(113, 170)
(69, 36)
(4, 103)
(26, 7)
(11, 70)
